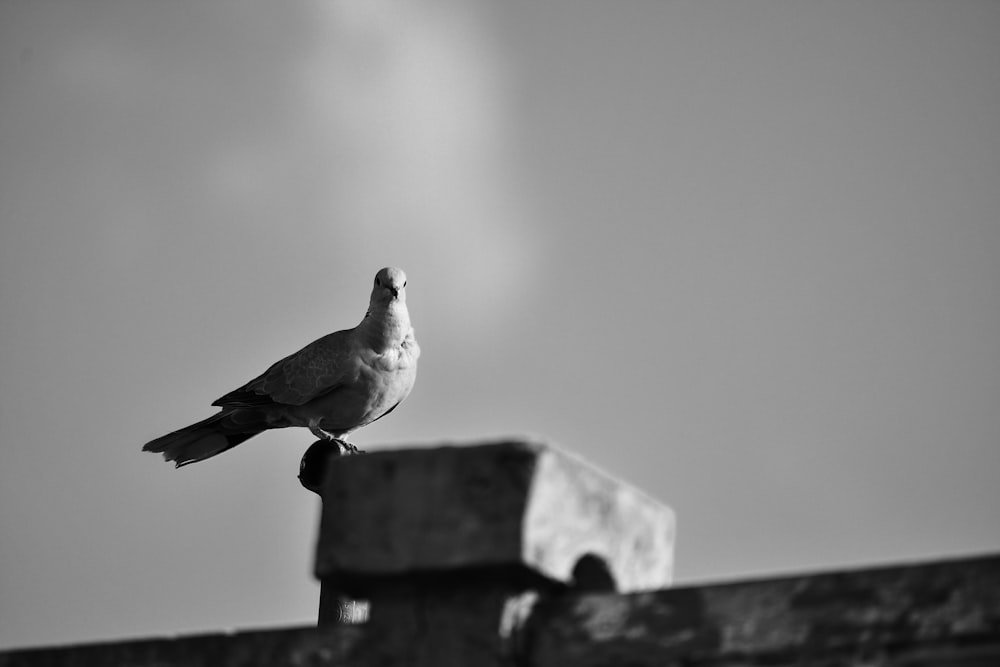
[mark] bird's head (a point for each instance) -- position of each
(390, 285)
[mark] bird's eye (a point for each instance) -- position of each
(378, 283)
(404, 283)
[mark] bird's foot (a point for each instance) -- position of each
(346, 447)
(342, 445)
(320, 433)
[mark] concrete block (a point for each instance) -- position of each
(518, 505)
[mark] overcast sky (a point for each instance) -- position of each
(742, 255)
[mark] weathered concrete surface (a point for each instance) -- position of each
(292, 647)
(438, 624)
(943, 614)
(511, 504)
(448, 544)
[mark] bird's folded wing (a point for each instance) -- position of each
(300, 377)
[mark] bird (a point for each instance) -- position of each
(333, 386)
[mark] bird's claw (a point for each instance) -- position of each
(346, 447)
(342, 445)
(320, 433)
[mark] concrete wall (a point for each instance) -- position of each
(516, 553)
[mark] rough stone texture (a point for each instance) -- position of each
(293, 647)
(438, 624)
(513, 504)
(943, 614)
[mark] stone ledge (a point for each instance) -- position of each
(943, 614)
(290, 647)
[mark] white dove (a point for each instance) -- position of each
(332, 386)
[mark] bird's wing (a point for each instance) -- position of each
(314, 370)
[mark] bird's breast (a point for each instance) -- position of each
(390, 375)
(379, 382)
(399, 358)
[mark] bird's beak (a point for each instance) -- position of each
(395, 292)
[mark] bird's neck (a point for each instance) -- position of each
(385, 325)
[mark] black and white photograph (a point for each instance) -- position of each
(494, 332)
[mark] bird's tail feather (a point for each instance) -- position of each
(206, 438)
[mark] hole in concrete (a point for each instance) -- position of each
(591, 573)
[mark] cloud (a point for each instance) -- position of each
(409, 105)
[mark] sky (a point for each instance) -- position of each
(741, 255)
